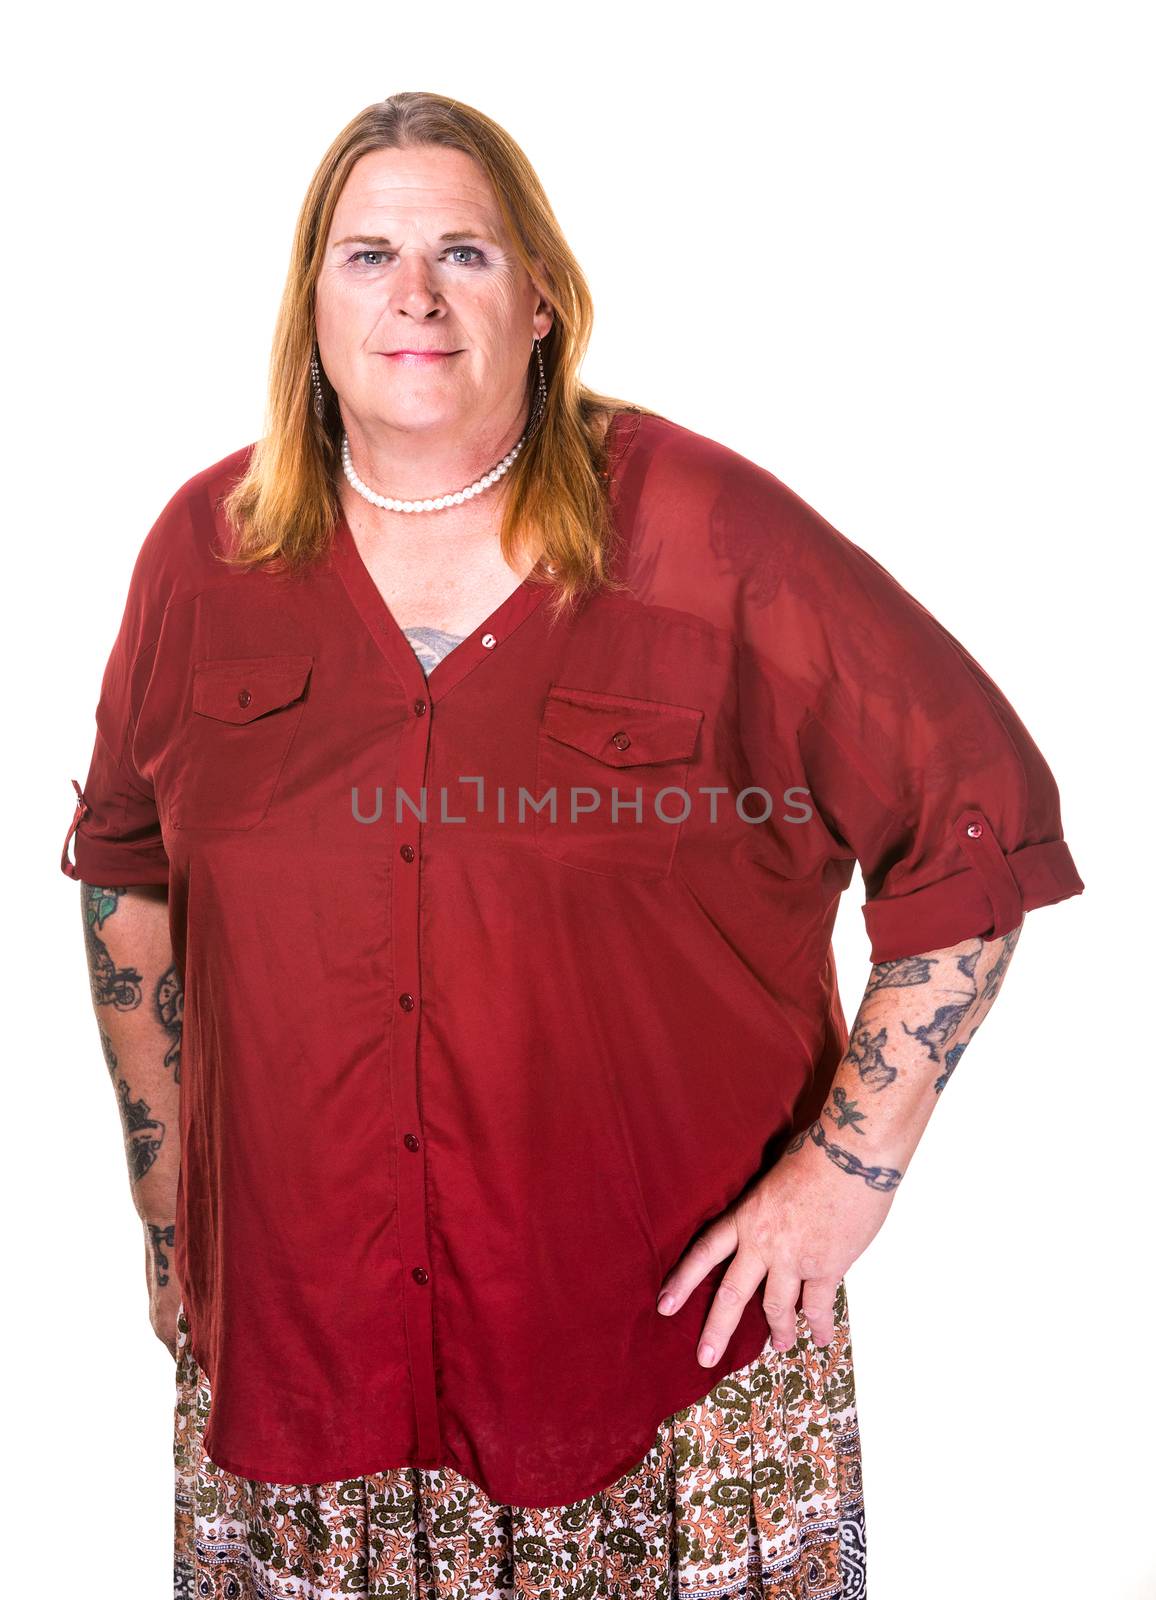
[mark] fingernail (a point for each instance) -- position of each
(665, 1302)
(706, 1355)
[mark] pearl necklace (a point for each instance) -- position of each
(479, 486)
(443, 500)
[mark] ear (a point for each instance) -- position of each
(544, 310)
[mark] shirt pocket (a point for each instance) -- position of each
(608, 758)
(245, 711)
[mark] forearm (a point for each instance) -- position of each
(914, 1021)
(137, 996)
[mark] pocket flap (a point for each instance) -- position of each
(620, 731)
(244, 687)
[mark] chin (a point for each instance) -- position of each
(421, 414)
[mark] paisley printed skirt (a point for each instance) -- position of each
(755, 1492)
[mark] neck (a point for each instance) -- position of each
(453, 531)
(423, 463)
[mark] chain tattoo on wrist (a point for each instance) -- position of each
(847, 1160)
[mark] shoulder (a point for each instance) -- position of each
(191, 520)
(744, 522)
(719, 479)
(189, 527)
(179, 556)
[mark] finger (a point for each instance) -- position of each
(705, 1251)
(819, 1308)
(780, 1299)
(738, 1284)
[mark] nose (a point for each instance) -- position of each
(413, 290)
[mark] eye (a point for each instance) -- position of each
(379, 255)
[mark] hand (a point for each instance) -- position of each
(803, 1223)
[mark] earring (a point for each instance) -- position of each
(540, 397)
(318, 392)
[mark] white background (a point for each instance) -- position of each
(895, 253)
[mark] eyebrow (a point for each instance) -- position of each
(378, 241)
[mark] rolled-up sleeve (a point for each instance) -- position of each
(914, 758)
(964, 854)
(115, 831)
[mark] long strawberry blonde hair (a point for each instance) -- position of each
(284, 509)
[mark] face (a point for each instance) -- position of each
(417, 260)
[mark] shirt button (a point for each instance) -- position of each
(974, 829)
(407, 852)
(489, 641)
(406, 1002)
(411, 1141)
(420, 708)
(244, 697)
(621, 741)
(420, 1275)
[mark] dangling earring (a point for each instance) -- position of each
(318, 392)
(540, 395)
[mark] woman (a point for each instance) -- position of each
(480, 761)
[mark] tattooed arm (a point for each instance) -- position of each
(916, 1019)
(137, 995)
(803, 1223)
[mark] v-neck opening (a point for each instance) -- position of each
(391, 639)
(489, 635)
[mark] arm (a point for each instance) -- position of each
(916, 1018)
(818, 1208)
(137, 995)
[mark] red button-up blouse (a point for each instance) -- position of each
(465, 1069)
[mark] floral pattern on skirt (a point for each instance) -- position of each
(754, 1492)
